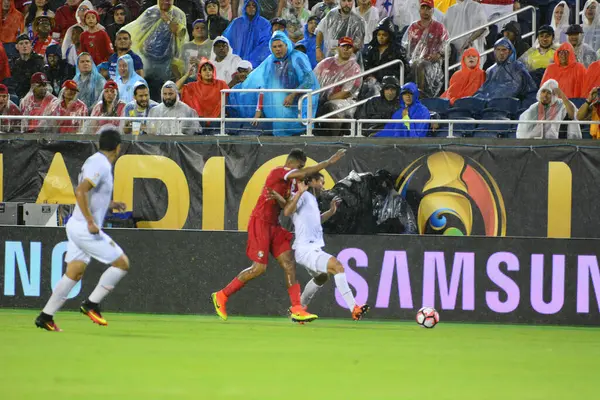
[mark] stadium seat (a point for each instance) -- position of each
(474, 105)
(464, 129)
(578, 102)
(441, 130)
(491, 113)
(508, 104)
(459, 113)
(437, 104)
(528, 102)
(496, 130)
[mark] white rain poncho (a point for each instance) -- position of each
(561, 25)
(462, 17)
(335, 26)
(555, 111)
(67, 42)
(330, 71)
(404, 12)
(591, 29)
(179, 109)
(227, 66)
(33, 107)
(584, 52)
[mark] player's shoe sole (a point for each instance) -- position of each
(303, 317)
(359, 312)
(93, 314)
(47, 325)
(219, 308)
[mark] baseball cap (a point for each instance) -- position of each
(574, 29)
(346, 41)
(546, 29)
(428, 3)
(24, 36)
(245, 64)
(110, 84)
(38, 77)
(3, 89)
(70, 84)
(198, 21)
(279, 21)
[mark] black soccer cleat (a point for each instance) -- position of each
(92, 310)
(47, 324)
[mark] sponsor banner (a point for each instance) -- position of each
(474, 279)
(544, 191)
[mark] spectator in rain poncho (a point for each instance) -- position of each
(109, 105)
(67, 104)
(462, 17)
(12, 22)
(569, 73)
(512, 32)
(592, 77)
(591, 24)
(507, 77)
(590, 111)
(384, 47)
(381, 107)
(560, 21)
(224, 60)
(215, 22)
(128, 78)
(321, 9)
(541, 55)
(68, 41)
(341, 22)
(71, 53)
(404, 12)
(171, 106)
(269, 9)
(296, 16)
(36, 102)
(7, 107)
(584, 53)
(157, 36)
(410, 109)
(248, 35)
(192, 51)
(371, 16)
(57, 70)
(468, 79)
(424, 41)
(310, 40)
(552, 105)
(335, 69)
(89, 80)
(285, 68)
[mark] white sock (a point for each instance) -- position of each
(107, 283)
(342, 284)
(309, 292)
(59, 295)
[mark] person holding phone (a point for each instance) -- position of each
(590, 111)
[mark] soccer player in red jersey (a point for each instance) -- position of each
(266, 235)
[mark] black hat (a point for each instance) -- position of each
(390, 81)
(23, 36)
(279, 21)
(546, 29)
(574, 29)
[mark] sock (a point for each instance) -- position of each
(59, 295)
(294, 292)
(342, 284)
(309, 292)
(233, 287)
(107, 283)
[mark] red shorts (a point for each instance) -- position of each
(265, 238)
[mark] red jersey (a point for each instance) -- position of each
(268, 210)
(97, 44)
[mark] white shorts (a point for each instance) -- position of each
(82, 245)
(313, 259)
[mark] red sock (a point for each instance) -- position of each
(294, 292)
(233, 287)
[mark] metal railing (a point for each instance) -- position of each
(448, 67)
(346, 108)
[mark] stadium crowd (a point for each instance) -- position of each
(114, 58)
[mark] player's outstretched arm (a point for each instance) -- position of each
(292, 205)
(301, 173)
(81, 195)
(335, 202)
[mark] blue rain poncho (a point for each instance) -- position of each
(291, 72)
(507, 79)
(310, 44)
(249, 38)
(126, 88)
(415, 111)
(90, 85)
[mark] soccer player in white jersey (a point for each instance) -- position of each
(86, 239)
(307, 218)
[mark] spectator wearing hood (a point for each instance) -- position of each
(139, 107)
(310, 40)
(243, 70)
(371, 16)
(128, 78)
(592, 77)
(72, 38)
(590, 111)
(119, 20)
(66, 17)
(541, 55)
(89, 81)
(25, 65)
(512, 32)
(462, 17)
(67, 104)
(591, 24)
(560, 22)
(109, 105)
(269, 9)
(584, 53)
(383, 48)
(296, 16)
(249, 34)
(36, 102)
(410, 109)
(215, 22)
(381, 107)
(569, 73)
(222, 57)
(57, 70)
(466, 81)
(193, 10)
(7, 107)
(552, 105)
(507, 77)
(342, 21)
(172, 107)
(42, 28)
(122, 47)
(12, 22)
(191, 53)
(321, 9)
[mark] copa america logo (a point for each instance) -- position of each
(458, 196)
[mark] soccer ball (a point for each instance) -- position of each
(428, 317)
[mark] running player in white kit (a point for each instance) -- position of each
(86, 239)
(308, 243)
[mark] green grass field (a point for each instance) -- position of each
(200, 357)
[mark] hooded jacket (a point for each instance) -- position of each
(249, 38)
(126, 88)
(415, 111)
(204, 97)
(13, 26)
(62, 72)
(466, 81)
(215, 24)
(372, 58)
(379, 107)
(570, 78)
(519, 45)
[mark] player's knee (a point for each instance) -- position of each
(122, 263)
(75, 270)
(321, 279)
(259, 269)
(337, 267)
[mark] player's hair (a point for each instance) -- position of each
(315, 175)
(110, 138)
(297, 154)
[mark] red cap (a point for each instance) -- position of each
(346, 41)
(3, 89)
(70, 84)
(38, 77)
(91, 12)
(428, 3)
(111, 85)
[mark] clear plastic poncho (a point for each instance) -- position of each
(329, 71)
(126, 87)
(560, 25)
(29, 106)
(179, 109)
(57, 108)
(335, 26)
(462, 17)
(90, 85)
(591, 29)
(101, 109)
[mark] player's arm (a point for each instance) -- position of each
(301, 173)
(292, 205)
(273, 195)
(81, 195)
(332, 209)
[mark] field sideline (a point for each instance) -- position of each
(199, 357)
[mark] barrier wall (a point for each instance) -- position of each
(521, 188)
(516, 280)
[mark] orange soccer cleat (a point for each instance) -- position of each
(299, 314)
(359, 312)
(92, 310)
(219, 300)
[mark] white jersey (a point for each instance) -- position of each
(98, 171)
(307, 223)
